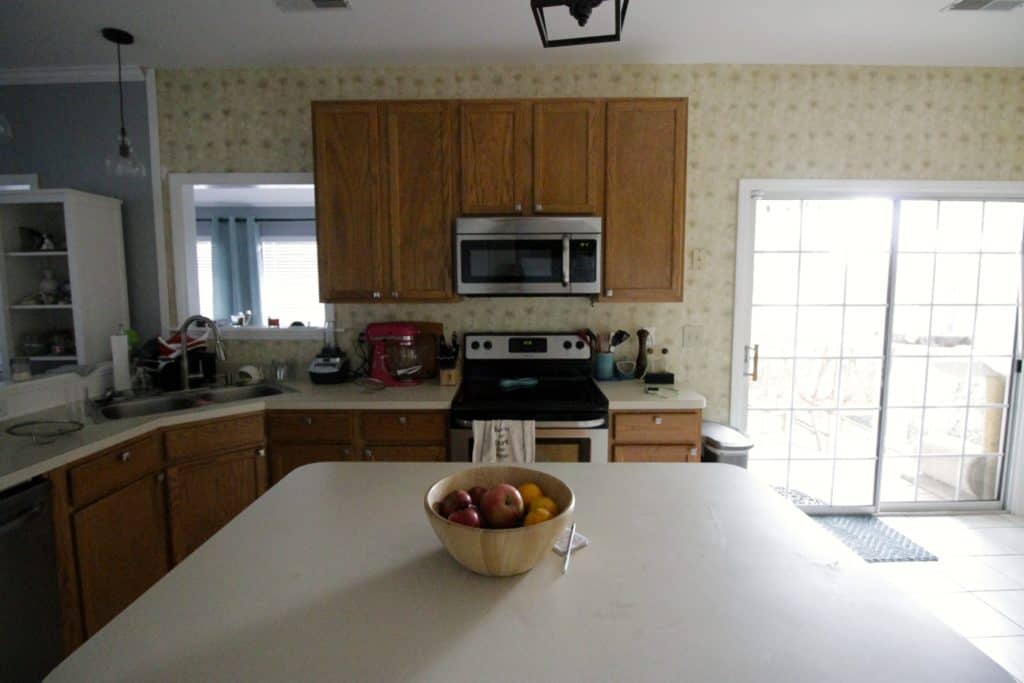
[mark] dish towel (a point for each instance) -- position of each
(504, 441)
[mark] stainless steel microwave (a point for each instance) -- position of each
(556, 255)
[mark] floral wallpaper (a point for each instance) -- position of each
(745, 122)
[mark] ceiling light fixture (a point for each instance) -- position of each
(580, 11)
(124, 162)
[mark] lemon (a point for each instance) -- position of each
(529, 492)
(543, 503)
(537, 516)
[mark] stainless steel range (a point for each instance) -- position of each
(570, 411)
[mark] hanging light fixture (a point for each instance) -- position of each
(580, 11)
(123, 162)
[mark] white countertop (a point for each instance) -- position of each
(335, 574)
(20, 459)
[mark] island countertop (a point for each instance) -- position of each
(695, 572)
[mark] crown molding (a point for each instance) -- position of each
(69, 74)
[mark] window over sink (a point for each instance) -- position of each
(246, 252)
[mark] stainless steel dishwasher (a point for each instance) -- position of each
(30, 641)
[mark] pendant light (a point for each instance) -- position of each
(123, 162)
(580, 10)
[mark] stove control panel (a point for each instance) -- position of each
(560, 346)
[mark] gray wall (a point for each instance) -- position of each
(64, 133)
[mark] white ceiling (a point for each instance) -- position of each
(237, 33)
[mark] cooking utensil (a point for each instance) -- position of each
(568, 548)
(618, 338)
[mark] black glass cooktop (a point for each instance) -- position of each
(550, 399)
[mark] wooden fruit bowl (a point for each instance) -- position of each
(499, 552)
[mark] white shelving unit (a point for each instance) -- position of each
(92, 262)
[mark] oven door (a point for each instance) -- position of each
(556, 442)
(512, 264)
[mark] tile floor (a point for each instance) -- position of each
(977, 586)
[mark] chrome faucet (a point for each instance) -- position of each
(183, 336)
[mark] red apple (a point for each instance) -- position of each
(502, 506)
(467, 516)
(477, 494)
(456, 500)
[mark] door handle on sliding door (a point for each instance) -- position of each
(756, 348)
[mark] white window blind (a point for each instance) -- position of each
(289, 285)
(204, 266)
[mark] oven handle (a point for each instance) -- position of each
(583, 424)
(565, 260)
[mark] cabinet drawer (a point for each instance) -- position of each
(658, 427)
(675, 453)
(113, 469)
(311, 426)
(404, 427)
(213, 436)
(405, 453)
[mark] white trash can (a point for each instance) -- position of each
(722, 443)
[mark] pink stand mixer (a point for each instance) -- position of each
(394, 356)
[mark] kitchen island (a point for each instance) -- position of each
(695, 572)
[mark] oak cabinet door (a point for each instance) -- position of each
(207, 494)
(405, 453)
(673, 453)
(568, 157)
(350, 230)
(645, 197)
(285, 457)
(121, 548)
(420, 163)
(495, 157)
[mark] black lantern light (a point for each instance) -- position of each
(580, 11)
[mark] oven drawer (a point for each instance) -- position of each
(641, 428)
(404, 427)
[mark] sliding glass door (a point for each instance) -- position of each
(874, 342)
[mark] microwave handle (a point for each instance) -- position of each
(565, 260)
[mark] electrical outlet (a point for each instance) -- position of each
(693, 336)
(698, 258)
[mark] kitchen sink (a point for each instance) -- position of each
(148, 406)
(228, 394)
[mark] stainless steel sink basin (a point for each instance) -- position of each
(228, 394)
(148, 406)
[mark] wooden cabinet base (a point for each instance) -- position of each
(285, 457)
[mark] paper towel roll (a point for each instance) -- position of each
(120, 357)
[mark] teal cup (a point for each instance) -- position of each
(604, 368)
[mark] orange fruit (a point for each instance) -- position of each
(529, 491)
(537, 516)
(543, 503)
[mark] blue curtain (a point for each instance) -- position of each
(236, 267)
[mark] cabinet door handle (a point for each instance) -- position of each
(657, 420)
(367, 454)
(693, 451)
(261, 452)
(609, 292)
(519, 208)
(394, 294)
(538, 207)
(346, 452)
(125, 456)
(309, 420)
(402, 419)
(160, 477)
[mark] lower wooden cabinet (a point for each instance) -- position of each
(285, 457)
(667, 436)
(121, 548)
(405, 453)
(207, 494)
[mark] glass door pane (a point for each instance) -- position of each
(952, 350)
(820, 292)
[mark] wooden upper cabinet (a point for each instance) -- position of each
(420, 173)
(349, 200)
(495, 157)
(645, 197)
(568, 157)
(121, 544)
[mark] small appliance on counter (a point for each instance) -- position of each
(401, 353)
(449, 363)
(331, 365)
